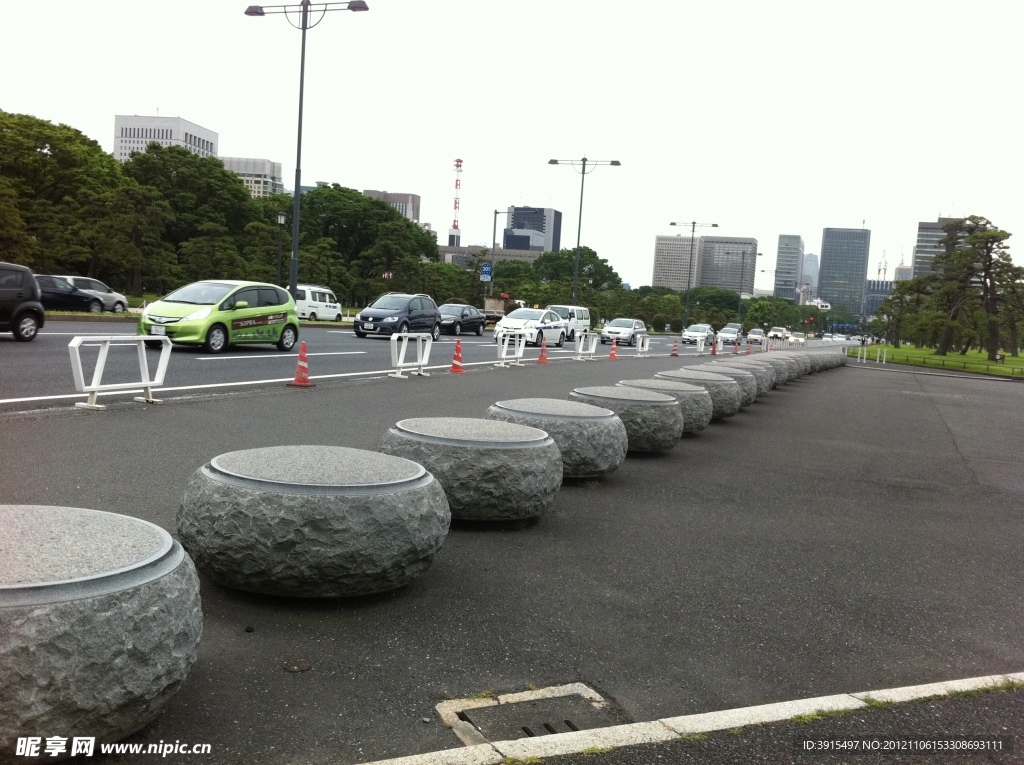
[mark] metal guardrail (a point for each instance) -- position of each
(940, 362)
(643, 345)
(104, 342)
(399, 348)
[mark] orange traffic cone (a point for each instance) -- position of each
(714, 347)
(736, 348)
(543, 359)
(302, 370)
(613, 355)
(748, 347)
(457, 361)
(675, 349)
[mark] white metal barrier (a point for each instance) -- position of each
(96, 386)
(881, 352)
(400, 346)
(586, 346)
(700, 345)
(643, 345)
(511, 345)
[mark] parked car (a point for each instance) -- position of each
(399, 312)
(827, 337)
(576, 318)
(755, 336)
(57, 295)
(217, 313)
(696, 332)
(799, 338)
(112, 301)
(730, 335)
(315, 302)
(21, 312)
(777, 333)
(534, 322)
(625, 331)
(457, 319)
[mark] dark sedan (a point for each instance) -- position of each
(457, 319)
(57, 295)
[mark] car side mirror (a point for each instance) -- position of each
(241, 304)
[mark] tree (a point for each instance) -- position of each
(211, 254)
(594, 271)
(16, 243)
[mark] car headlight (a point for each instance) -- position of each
(202, 313)
(447, 321)
(390, 318)
(359, 317)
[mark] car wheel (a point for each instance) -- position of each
(26, 328)
(288, 338)
(337, 316)
(572, 335)
(561, 340)
(632, 340)
(118, 307)
(312, 317)
(216, 339)
(95, 307)
(359, 333)
(458, 329)
(435, 333)
(403, 328)
(479, 330)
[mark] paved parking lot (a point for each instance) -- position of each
(855, 529)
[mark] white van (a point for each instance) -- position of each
(315, 302)
(576, 316)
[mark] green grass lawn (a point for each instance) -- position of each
(973, 361)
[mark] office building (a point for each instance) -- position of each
(875, 291)
(533, 228)
(789, 267)
(929, 244)
(811, 274)
(676, 262)
(133, 133)
(844, 267)
(407, 204)
(903, 272)
(728, 262)
(261, 176)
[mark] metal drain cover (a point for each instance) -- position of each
(541, 717)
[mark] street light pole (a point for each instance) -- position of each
(743, 267)
(494, 242)
(690, 266)
(281, 218)
(579, 223)
(303, 8)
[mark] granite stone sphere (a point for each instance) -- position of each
(99, 622)
(694, 402)
(489, 470)
(744, 377)
(725, 392)
(592, 440)
(313, 521)
(767, 370)
(654, 421)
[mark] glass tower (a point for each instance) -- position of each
(844, 267)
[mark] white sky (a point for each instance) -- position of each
(766, 118)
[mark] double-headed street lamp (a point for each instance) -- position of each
(690, 266)
(303, 9)
(579, 224)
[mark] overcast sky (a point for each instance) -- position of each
(766, 118)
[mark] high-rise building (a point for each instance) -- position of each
(407, 204)
(133, 133)
(875, 291)
(728, 262)
(261, 176)
(929, 244)
(789, 267)
(545, 221)
(844, 267)
(811, 274)
(676, 262)
(903, 272)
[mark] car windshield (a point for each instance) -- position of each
(563, 312)
(621, 323)
(452, 309)
(757, 331)
(697, 328)
(200, 293)
(728, 331)
(798, 334)
(526, 313)
(391, 303)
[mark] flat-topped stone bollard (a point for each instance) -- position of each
(796, 369)
(653, 421)
(783, 371)
(762, 370)
(99, 622)
(592, 439)
(490, 470)
(801, 359)
(725, 392)
(694, 401)
(312, 521)
(743, 377)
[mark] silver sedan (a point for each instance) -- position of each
(626, 331)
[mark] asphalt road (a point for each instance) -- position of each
(855, 529)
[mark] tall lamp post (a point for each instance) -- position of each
(494, 240)
(281, 218)
(579, 224)
(303, 9)
(743, 267)
(689, 266)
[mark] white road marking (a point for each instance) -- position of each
(279, 355)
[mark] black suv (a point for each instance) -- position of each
(397, 312)
(20, 309)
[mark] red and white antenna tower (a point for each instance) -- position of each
(454, 235)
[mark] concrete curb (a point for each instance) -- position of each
(670, 728)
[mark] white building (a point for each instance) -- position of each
(133, 133)
(261, 176)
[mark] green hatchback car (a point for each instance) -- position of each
(223, 312)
